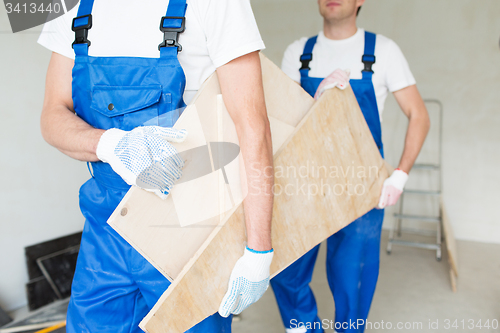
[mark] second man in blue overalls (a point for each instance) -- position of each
(376, 66)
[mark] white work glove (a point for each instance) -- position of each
(248, 282)
(393, 187)
(338, 78)
(301, 329)
(144, 156)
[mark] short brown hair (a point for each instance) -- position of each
(358, 10)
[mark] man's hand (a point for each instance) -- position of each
(144, 156)
(338, 78)
(392, 189)
(248, 282)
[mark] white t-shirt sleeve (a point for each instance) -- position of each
(290, 64)
(57, 35)
(398, 73)
(230, 29)
(229, 26)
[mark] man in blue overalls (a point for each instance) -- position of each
(114, 106)
(376, 66)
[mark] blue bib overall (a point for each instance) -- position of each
(114, 286)
(352, 263)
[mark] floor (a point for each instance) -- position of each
(414, 289)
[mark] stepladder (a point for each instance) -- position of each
(411, 208)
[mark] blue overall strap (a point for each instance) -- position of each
(307, 56)
(81, 25)
(172, 24)
(368, 57)
(85, 7)
(176, 8)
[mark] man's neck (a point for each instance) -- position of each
(340, 29)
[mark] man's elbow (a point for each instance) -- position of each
(425, 121)
(47, 127)
(44, 128)
(419, 115)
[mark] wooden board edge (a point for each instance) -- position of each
(186, 268)
(453, 280)
(449, 237)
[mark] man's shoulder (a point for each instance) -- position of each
(385, 44)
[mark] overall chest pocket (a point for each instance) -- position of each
(125, 107)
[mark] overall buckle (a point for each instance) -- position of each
(305, 59)
(81, 26)
(171, 32)
(368, 61)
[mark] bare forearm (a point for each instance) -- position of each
(413, 106)
(60, 126)
(241, 85)
(415, 137)
(64, 130)
(258, 203)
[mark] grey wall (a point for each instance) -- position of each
(39, 192)
(451, 45)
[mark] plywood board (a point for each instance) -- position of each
(169, 232)
(327, 173)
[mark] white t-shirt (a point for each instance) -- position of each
(391, 70)
(217, 31)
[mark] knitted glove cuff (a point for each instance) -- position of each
(107, 144)
(398, 179)
(258, 262)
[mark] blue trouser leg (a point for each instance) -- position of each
(114, 286)
(353, 257)
(294, 296)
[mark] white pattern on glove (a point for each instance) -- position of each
(144, 156)
(248, 282)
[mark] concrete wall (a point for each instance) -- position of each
(453, 51)
(39, 192)
(452, 47)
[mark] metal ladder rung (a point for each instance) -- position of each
(421, 232)
(435, 193)
(426, 166)
(416, 244)
(417, 217)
